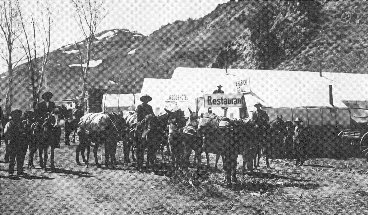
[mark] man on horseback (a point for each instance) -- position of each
(142, 111)
(278, 131)
(260, 119)
(46, 106)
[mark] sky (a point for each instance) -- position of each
(143, 16)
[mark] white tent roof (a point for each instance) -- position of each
(277, 88)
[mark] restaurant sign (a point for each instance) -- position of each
(224, 100)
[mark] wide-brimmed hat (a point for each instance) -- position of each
(219, 86)
(146, 98)
(16, 114)
(298, 120)
(258, 104)
(47, 95)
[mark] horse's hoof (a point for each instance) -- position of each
(79, 163)
(98, 165)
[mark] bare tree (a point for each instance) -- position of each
(89, 14)
(10, 31)
(37, 55)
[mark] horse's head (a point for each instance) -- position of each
(176, 117)
(118, 123)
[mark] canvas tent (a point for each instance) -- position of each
(118, 102)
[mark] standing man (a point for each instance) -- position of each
(142, 111)
(260, 119)
(15, 133)
(300, 142)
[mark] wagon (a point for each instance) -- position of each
(356, 138)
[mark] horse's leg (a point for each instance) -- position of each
(40, 155)
(52, 157)
(217, 159)
(67, 133)
(88, 152)
(95, 150)
(74, 135)
(126, 149)
(32, 150)
(107, 153)
(45, 154)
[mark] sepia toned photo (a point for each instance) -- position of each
(183, 107)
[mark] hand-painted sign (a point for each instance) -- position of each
(177, 97)
(224, 100)
(242, 86)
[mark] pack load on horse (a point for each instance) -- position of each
(100, 128)
(130, 141)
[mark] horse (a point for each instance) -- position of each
(101, 128)
(208, 129)
(71, 123)
(184, 139)
(47, 133)
(242, 134)
(150, 134)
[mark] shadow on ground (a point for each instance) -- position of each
(73, 172)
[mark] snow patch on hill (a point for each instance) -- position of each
(106, 35)
(71, 52)
(92, 63)
(132, 51)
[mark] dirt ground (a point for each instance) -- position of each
(321, 186)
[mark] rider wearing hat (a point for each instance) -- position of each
(46, 106)
(300, 141)
(144, 109)
(260, 119)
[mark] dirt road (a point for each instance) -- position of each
(322, 186)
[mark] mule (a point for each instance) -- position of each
(184, 139)
(151, 135)
(101, 128)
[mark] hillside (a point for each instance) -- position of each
(299, 35)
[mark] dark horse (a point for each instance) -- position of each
(45, 133)
(150, 134)
(183, 139)
(101, 128)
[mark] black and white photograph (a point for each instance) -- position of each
(183, 107)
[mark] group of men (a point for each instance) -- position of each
(17, 130)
